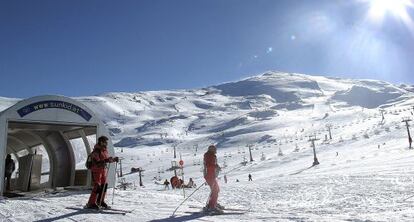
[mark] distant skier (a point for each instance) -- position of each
(250, 177)
(166, 185)
(211, 170)
(225, 178)
(10, 167)
(175, 182)
(191, 184)
(99, 159)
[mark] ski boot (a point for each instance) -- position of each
(215, 211)
(105, 206)
(92, 207)
(221, 207)
(212, 211)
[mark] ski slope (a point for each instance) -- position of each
(365, 171)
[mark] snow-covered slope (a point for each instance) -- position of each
(365, 170)
(227, 113)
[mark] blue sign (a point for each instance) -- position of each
(54, 105)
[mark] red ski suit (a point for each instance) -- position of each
(210, 168)
(100, 158)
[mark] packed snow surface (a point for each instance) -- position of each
(366, 170)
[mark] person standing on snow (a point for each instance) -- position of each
(191, 184)
(211, 170)
(99, 161)
(250, 177)
(166, 185)
(10, 167)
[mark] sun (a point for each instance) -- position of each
(378, 9)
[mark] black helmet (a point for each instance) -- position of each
(103, 139)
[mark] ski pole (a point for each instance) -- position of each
(113, 189)
(104, 187)
(236, 168)
(187, 199)
(408, 198)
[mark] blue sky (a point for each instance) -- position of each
(79, 47)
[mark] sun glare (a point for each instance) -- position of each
(396, 8)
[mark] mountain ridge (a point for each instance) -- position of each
(225, 113)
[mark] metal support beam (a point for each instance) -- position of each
(52, 158)
(312, 139)
(72, 158)
(24, 145)
(250, 152)
(88, 151)
(329, 126)
(410, 140)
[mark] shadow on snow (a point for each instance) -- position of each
(78, 211)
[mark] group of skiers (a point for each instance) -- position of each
(98, 162)
(178, 183)
(99, 159)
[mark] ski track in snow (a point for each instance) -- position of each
(298, 198)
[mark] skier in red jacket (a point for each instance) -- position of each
(211, 170)
(100, 158)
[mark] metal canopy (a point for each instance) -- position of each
(51, 121)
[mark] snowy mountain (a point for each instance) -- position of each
(366, 168)
(228, 113)
(222, 113)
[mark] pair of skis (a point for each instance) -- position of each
(226, 211)
(229, 209)
(103, 210)
(123, 212)
(408, 198)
